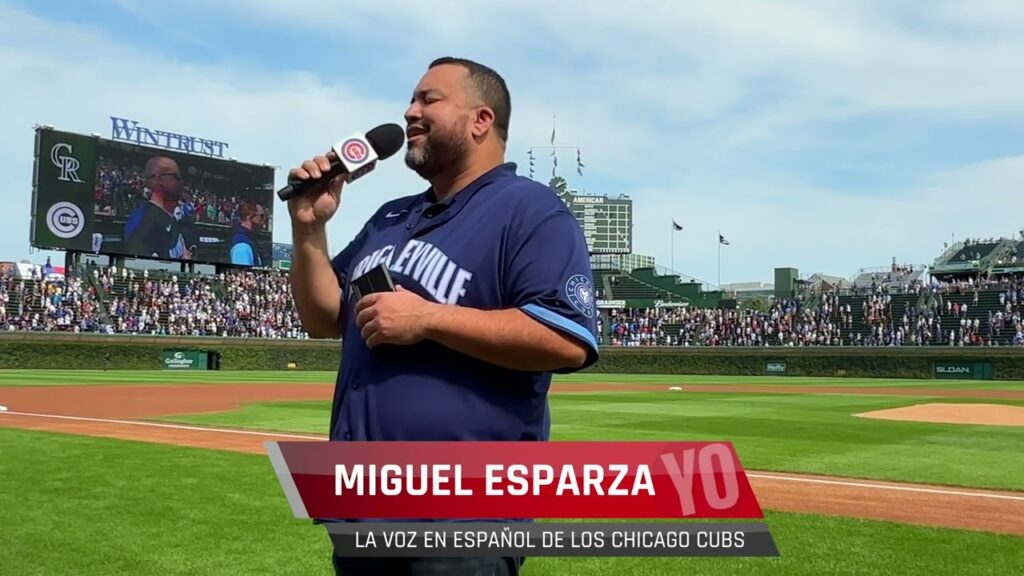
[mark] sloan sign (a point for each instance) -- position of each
(963, 370)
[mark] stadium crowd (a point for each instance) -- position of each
(258, 304)
(239, 304)
(120, 188)
(784, 323)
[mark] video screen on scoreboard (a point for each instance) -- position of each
(152, 203)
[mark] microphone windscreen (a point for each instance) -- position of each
(386, 139)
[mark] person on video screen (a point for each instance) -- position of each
(252, 218)
(152, 229)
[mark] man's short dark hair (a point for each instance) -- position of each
(490, 87)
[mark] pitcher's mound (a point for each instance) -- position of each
(983, 414)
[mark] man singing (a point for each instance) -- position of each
(152, 230)
(494, 291)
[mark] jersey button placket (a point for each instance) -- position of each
(414, 220)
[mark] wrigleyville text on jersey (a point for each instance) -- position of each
(425, 264)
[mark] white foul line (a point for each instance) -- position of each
(164, 425)
(760, 475)
(886, 487)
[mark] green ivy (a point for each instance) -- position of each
(78, 352)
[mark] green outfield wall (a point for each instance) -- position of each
(938, 362)
(139, 352)
(136, 352)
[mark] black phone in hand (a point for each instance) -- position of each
(377, 279)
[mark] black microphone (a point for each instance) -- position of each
(357, 156)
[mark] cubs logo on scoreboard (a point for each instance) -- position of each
(62, 191)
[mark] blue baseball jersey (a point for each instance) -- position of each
(503, 242)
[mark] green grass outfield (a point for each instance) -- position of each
(144, 377)
(810, 433)
(87, 506)
(76, 505)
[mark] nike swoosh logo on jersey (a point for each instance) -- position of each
(395, 214)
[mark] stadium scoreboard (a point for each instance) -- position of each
(96, 195)
(607, 223)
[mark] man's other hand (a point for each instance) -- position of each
(400, 317)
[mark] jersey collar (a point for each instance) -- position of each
(463, 196)
(430, 213)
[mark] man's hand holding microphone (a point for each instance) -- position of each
(313, 194)
(313, 209)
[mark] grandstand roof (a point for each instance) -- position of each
(748, 286)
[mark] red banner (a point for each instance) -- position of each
(513, 480)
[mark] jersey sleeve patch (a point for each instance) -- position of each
(549, 276)
(580, 293)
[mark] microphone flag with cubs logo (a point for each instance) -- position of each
(356, 154)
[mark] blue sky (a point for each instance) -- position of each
(825, 136)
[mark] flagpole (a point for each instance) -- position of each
(719, 261)
(673, 268)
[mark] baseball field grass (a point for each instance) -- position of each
(815, 434)
(76, 505)
(70, 377)
(86, 505)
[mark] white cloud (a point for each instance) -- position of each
(274, 118)
(864, 54)
(783, 224)
(673, 101)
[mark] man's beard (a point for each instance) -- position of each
(171, 194)
(439, 151)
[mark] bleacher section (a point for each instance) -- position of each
(988, 300)
(626, 287)
(243, 304)
(603, 282)
(949, 324)
(253, 304)
(642, 287)
(887, 278)
(1009, 255)
(12, 304)
(974, 252)
(980, 258)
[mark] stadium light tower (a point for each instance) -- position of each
(554, 148)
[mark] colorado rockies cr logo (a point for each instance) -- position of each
(61, 157)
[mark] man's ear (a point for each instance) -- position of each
(483, 121)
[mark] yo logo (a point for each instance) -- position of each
(65, 220)
(354, 150)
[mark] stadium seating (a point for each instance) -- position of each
(974, 252)
(869, 279)
(919, 317)
(259, 304)
(603, 283)
(618, 285)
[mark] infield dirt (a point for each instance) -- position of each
(937, 412)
